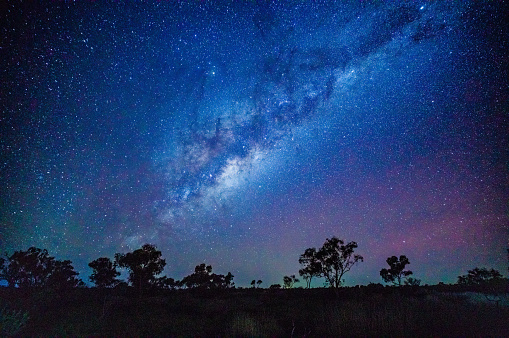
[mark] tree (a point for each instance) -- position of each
(35, 268)
(228, 280)
(63, 276)
(489, 282)
(204, 278)
(337, 258)
(27, 268)
(143, 264)
(396, 273)
(479, 277)
(255, 283)
(289, 281)
(167, 283)
(104, 272)
(312, 266)
(412, 281)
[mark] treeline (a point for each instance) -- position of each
(36, 268)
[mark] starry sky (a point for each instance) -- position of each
(240, 133)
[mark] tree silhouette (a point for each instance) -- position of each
(312, 266)
(104, 272)
(27, 268)
(289, 281)
(396, 273)
(228, 280)
(143, 264)
(63, 276)
(255, 283)
(35, 268)
(336, 258)
(479, 276)
(204, 278)
(412, 281)
(167, 283)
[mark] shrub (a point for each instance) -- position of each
(245, 325)
(12, 321)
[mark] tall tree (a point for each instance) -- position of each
(104, 272)
(143, 264)
(337, 258)
(311, 266)
(396, 273)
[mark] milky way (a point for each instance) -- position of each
(241, 133)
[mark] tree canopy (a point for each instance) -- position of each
(36, 268)
(331, 261)
(396, 272)
(289, 281)
(311, 266)
(478, 276)
(104, 272)
(143, 264)
(204, 278)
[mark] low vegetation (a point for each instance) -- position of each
(358, 311)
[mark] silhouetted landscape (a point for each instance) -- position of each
(180, 168)
(45, 297)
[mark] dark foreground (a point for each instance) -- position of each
(249, 312)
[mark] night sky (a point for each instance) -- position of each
(240, 133)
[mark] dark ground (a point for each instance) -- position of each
(359, 311)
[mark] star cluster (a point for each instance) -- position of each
(240, 133)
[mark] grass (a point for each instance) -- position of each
(256, 313)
